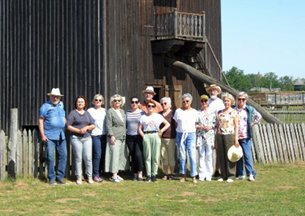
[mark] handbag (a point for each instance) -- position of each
(44, 152)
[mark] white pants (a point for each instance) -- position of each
(205, 161)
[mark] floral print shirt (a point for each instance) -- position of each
(206, 119)
(243, 121)
(226, 122)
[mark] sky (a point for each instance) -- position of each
(264, 36)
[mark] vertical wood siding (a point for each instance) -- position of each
(60, 43)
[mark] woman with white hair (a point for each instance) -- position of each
(168, 139)
(227, 136)
(116, 150)
(246, 114)
(186, 119)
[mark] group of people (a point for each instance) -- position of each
(106, 139)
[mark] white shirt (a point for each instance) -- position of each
(186, 120)
(151, 123)
(216, 105)
(99, 117)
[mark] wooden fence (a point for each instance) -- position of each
(272, 143)
(278, 143)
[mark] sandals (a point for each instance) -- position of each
(165, 177)
(172, 177)
(183, 179)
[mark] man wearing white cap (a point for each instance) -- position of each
(215, 104)
(52, 121)
(149, 94)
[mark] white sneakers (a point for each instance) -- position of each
(251, 178)
(230, 180)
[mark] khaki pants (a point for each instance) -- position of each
(168, 147)
(151, 152)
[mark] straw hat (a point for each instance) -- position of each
(213, 86)
(149, 89)
(55, 92)
(234, 154)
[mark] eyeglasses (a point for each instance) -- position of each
(204, 101)
(100, 100)
(186, 101)
(116, 101)
(151, 106)
(134, 102)
(241, 99)
(163, 104)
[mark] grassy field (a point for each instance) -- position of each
(278, 190)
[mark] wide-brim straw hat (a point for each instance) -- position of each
(213, 86)
(55, 92)
(149, 89)
(234, 154)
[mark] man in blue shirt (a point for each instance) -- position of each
(52, 121)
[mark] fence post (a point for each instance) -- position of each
(2, 154)
(175, 24)
(12, 144)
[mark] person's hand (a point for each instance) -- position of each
(44, 138)
(160, 133)
(236, 144)
(83, 130)
(112, 140)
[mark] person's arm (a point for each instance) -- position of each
(257, 117)
(41, 129)
(141, 130)
(166, 126)
(236, 122)
(109, 123)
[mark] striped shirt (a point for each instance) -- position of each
(133, 120)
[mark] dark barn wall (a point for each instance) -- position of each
(130, 29)
(61, 43)
(47, 44)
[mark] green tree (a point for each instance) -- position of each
(269, 80)
(286, 83)
(237, 79)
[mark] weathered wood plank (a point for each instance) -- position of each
(279, 143)
(271, 143)
(19, 153)
(298, 140)
(302, 140)
(294, 142)
(257, 145)
(30, 152)
(266, 144)
(35, 153)
(283, 139)
(24, 153)
(3, 152)
(11, 154)
(290, 149)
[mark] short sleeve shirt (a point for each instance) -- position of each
(79, 121)
(99, 117)
(152, 122)
(54, 120)
(226, 122)
(186, 120)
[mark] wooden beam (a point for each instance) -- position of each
(209, 80)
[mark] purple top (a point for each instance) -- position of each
(79, 121)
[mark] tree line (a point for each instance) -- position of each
(245, 82)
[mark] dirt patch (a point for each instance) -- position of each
(287, 187)
(64, 211)
(12, 211)
(64, 200)
(182, 200)
(22, 185)
(89, 195)
(188, 194)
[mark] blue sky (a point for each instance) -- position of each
(264, 36)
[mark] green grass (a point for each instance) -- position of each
(278, 190)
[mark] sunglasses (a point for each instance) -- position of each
(100, 100)
(134, 102)
(241, 99)
(186, 101)
(116, 101)
(204, 101)
(163, 104)
(151, 106)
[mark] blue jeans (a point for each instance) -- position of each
(82, 149)
(187, 142)
(97, 142)
(61, 149)
(246, 145)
